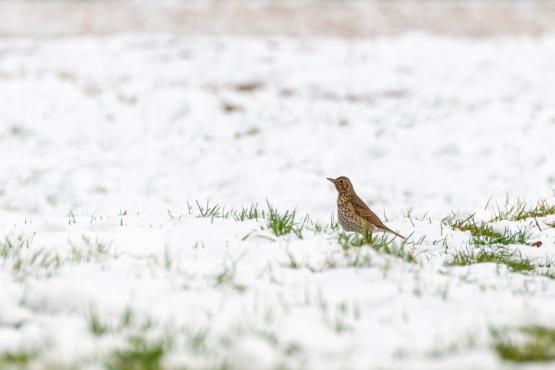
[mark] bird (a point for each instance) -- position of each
(353, 214)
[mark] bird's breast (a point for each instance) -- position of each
(346, 214)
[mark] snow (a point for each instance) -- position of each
(108, 142)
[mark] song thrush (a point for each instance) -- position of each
(353, 213)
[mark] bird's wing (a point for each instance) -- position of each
(362, 210)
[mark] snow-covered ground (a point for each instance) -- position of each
(107, 144)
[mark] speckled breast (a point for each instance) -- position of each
(345, 221)
(346, 215)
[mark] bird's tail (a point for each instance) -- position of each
(394, 233)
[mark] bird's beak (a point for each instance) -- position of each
(331, 180)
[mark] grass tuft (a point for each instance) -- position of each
(382, 244)
(280, 223)
(284, 223)
(139, 355)
(211, 211)
(94, 251)
(501, 256)
(13, 246)
(16, 360)
(483, 234)
(519, 210)
(226, 277)
(96, 325)
(248, 213)
(537, 344)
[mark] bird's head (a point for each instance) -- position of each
(342, 184)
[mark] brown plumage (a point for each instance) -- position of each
(353, 214)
